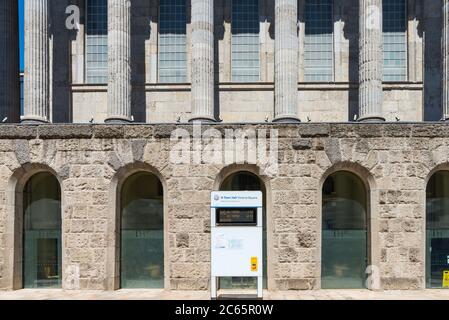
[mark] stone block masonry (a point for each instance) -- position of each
(90, 161)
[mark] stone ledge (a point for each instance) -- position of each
(163, 131)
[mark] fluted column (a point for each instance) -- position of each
(119, 61)
(37, 72)
(445, 60)
(370, 61)
(9, 69)
(202, 61)
(286, 61)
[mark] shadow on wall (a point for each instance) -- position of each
(348, 10)
(61, 110)
(141, 13)
(431, 29)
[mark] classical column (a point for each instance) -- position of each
(37, 71)
(9, 69)
(286, 61)
(445, 60)
(203, 61)
(119, 61)
(370, 61)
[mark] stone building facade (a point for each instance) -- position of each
(395, 161)
(385, 133)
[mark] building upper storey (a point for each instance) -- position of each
(230, 60)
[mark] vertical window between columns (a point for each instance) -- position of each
(245, 29)
(172, 41)
(319, 41)
(96, 44)
(395, 40)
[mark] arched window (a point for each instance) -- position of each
(246, 181)
(142, 232)
(344, 232)
(437, 225)
(42, 232)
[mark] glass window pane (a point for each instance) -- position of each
(245, 30)
(437, 217)
(172, 41)
(319, 41)
(395, 40)
(42, 232)
(97, 41)
(344, 236)
(246, 181)
(142, 232)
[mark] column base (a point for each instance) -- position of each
(118, 120)
(445, 119)
(286, 119)
(371, 119)
(33, 120)
(204, 119)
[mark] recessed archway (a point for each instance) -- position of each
(345, 241)
(142, 232)
(437, 228)
(247, 181)
(42, 249)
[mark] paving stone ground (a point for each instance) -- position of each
(28, 294)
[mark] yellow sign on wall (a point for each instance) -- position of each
(254, 264)
(445, 279)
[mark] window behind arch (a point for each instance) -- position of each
(96, 66)
(395, 40)
(437, 229)
(172, 41)
(142, 232)
(319, 41)
(245, 41)
(42, 232)
(344, 232)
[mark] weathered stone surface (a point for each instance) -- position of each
(22, 151)
(314, 130)
(18, 132)
(65, 131)
(302, 144)
(397, 164)
(108, 131)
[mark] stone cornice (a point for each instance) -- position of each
(163, 131)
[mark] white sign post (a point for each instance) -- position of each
(236, 237)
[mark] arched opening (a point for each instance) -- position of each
(247, 181)
(142, 232)
(344, 232)
(42, 262)
(437, 230)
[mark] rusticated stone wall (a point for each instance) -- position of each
(92, 161)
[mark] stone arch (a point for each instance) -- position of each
(266, 182)
(372, 199)
(114, 222)
(435, 230)
(14, 220)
